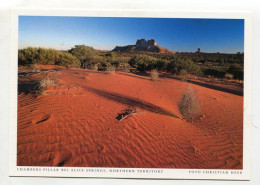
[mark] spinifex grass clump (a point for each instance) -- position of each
(189, 105)
(46, 82)
(35, 68)
(110, 69)
(229, 76)
(154, 75)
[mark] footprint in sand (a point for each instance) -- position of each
(62, 157)
(42, 119)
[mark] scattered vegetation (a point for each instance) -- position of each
(154, 75)
(200, 64)
(189, 105)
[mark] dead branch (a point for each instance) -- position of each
(127, 113)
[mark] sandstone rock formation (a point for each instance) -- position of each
(143, 45)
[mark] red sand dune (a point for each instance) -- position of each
(74, 124)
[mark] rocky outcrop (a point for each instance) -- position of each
(143, 45)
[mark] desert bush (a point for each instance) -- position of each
(178, 64)
(124, 67)
(47, 56)
(229, 76)
(214, 72)
(93, 67)
(110, 69)
(189, 105)
(28, 56)
(183, 72)
(154, 75)
(87, 55)
(93, 63)
(46, 82)
(35, 68)
(68, 60)
(237, 71)
(32, 55)
(161, 64)
(111, 56)
(143, 62)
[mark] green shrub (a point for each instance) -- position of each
(93, 62)
(68, 60)
(214, 72)
(161, 64)
(87, 55)
(143, 62)
(237, 71)
(178, 64)
(28, 56)
(47, 56)
(37, 56)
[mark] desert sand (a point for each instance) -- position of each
(74, 123)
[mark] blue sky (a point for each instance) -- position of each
(182, 35)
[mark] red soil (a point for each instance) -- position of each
(74, 124)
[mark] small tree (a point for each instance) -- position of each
(85, 54)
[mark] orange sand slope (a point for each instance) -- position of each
(74, 124)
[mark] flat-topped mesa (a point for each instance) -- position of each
(143, 45)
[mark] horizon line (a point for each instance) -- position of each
(19, 48)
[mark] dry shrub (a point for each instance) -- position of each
(189, 105)
(35, 68)
(124, 67)
(94, 67)
(229, 76)
(46, 82)
(110, 69)
(154, 75)
(183, 73)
